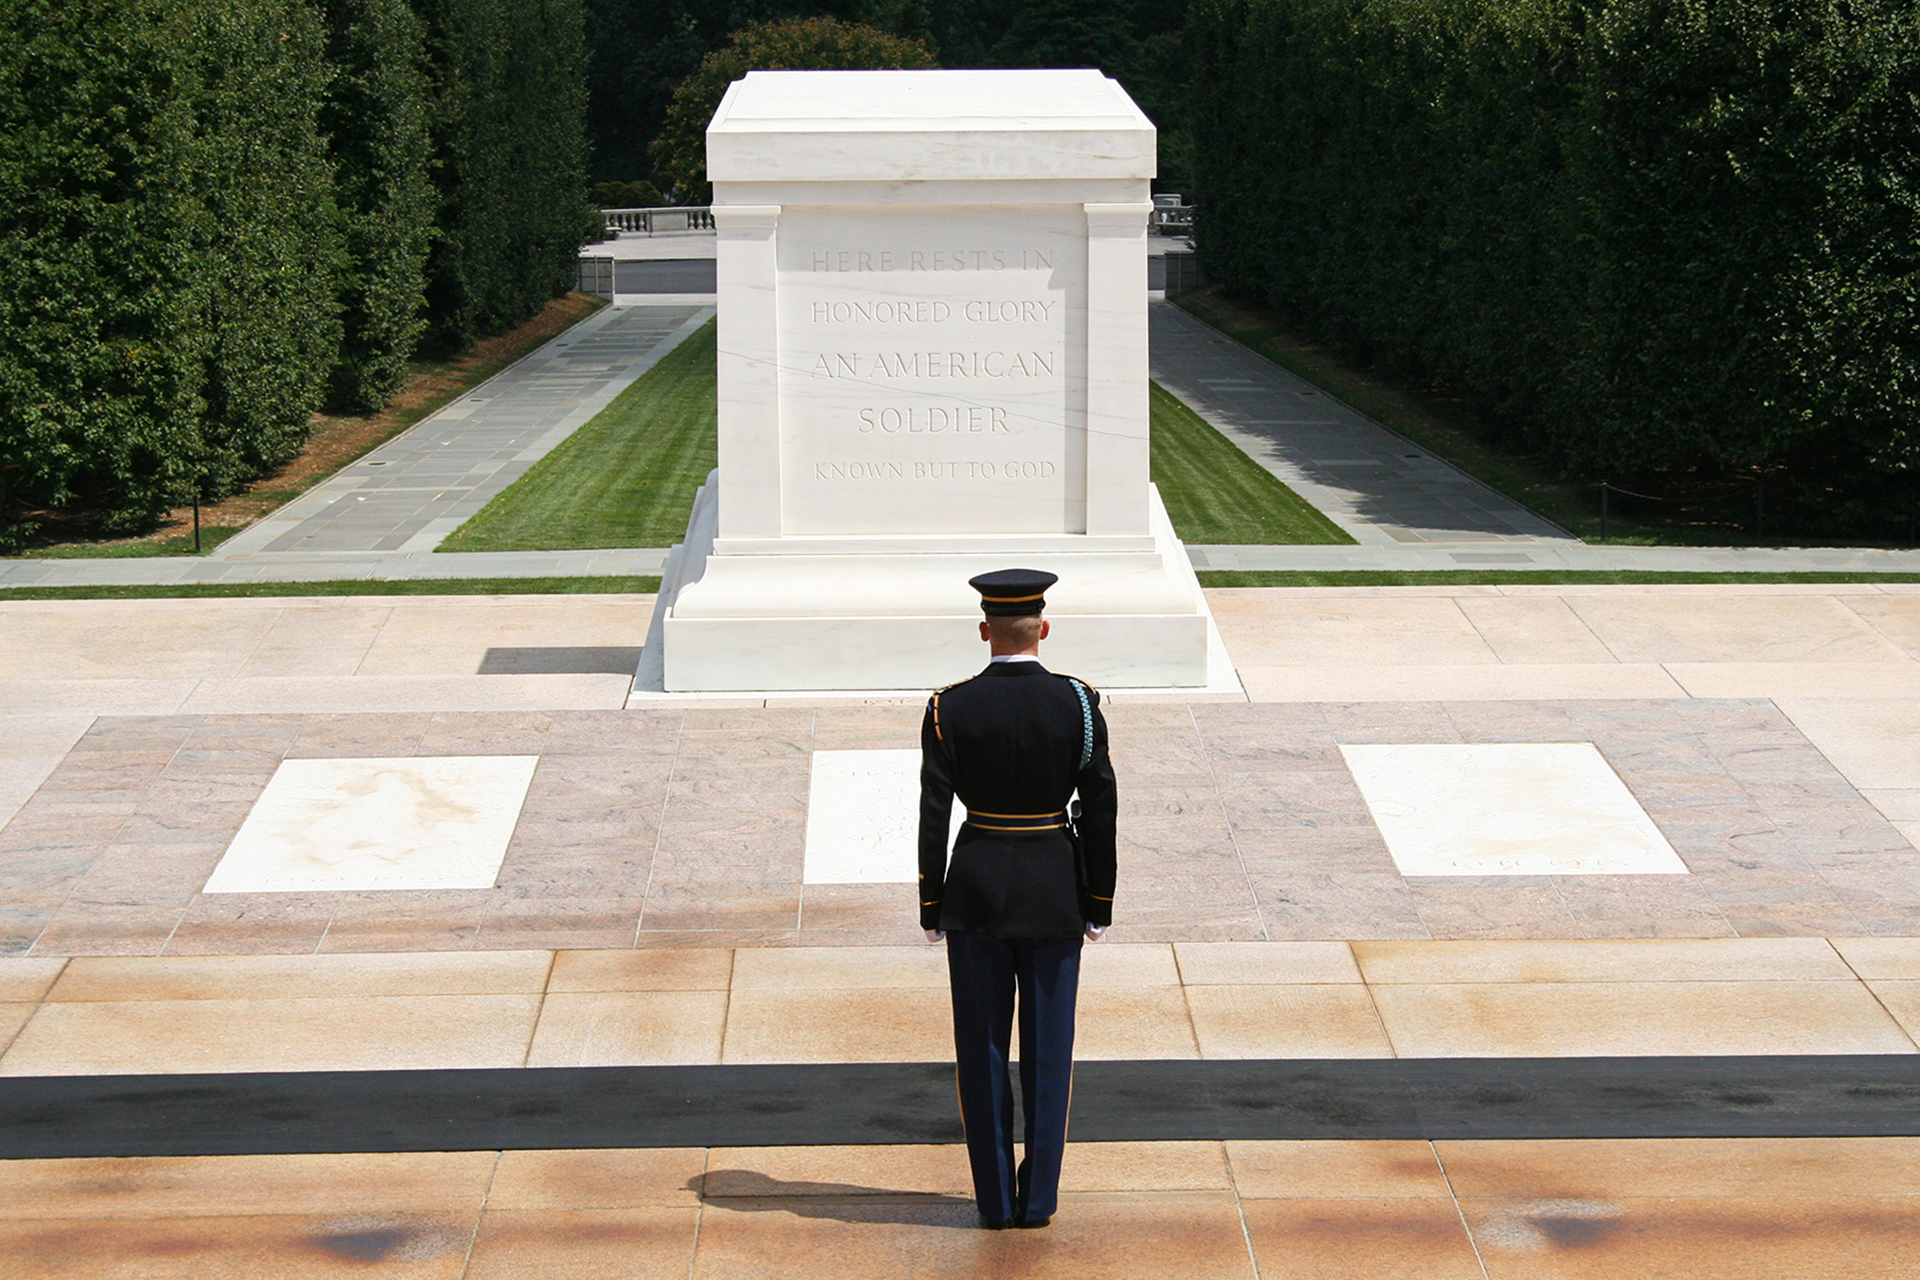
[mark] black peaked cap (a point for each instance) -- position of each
(1013, 593)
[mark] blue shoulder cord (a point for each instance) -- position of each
(1086, 723)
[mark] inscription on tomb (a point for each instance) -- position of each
(907, 368)
(936, 364)
(845, 260)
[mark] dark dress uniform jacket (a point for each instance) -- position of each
(1008, 742)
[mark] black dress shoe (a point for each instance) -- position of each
(1032, 1224)
(996, 1224)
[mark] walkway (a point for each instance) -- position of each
(1544, 554)
(1379, 487)
(381, 517)
(410, 493)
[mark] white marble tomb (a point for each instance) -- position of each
(932, 363)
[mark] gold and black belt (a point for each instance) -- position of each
(1017, 821)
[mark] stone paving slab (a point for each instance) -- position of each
(651, 907)
(1792, 800)
(1737, 1209)
(340, 566)
(1139, 1002)
(669, 827)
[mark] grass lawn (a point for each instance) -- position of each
(1216, 494)
(625, 479)
(404, 587)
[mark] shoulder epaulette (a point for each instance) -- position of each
(1064, 676)
(933, 706)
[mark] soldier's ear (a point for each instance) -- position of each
(1045, 627)
(986, 633)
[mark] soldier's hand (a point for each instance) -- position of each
(1095, 932)
(936, 935)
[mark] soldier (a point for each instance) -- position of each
(1014, 743)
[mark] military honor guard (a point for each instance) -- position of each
(1028, 880)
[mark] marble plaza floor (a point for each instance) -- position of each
(1466, 825)
(1179, 1211)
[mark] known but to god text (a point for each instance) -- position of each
(1013, 470)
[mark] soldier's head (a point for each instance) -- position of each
(1012, 600)
(1015, 635)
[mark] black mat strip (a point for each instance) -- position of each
(858, 1103)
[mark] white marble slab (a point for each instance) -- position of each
(1507, 809)
(863, 818)
(424, 822)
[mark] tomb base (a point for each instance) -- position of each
(892, 613)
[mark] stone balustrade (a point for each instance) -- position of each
(653, 221)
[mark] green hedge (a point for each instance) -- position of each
(210, 209)
(164, 204)
(377, 121)
(269, 241)
(1646, 233)
(98, 356)
(510, 153)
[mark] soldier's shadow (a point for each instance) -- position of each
(745, 1191)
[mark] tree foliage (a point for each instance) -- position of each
(166, 244)
(376, 119)
(643, 50)
(510, 158)
(801, 44)
(1644, 232)
(209, 208)
(269, 242)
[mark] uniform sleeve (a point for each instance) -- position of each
(1099, 811)
(936, 814)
